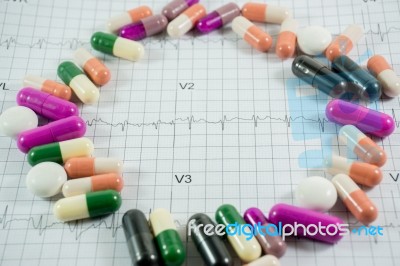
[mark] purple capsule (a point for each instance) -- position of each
(45, 104)
(301, 222)
(218, 18)
(64, 129)
(271, 243)
(176, 7)
(145, 27)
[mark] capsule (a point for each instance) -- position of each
(186, 21)
(252, 34)
(49, 86)
(168, 241)
(365, 119)
(271, 244)
(319, 76)
(117, 46)
(130, 16)
(144, 28)
(290, 215)
(267, 260)
(64, 129)
(265, 13)
(94, 183)
(176, 7)
(139, 239)
(93, 67)
(381, 69)
(82, 167)
(60, 152)
(86, 91)
(356, 201)
(362, 173)
(364, 147)
(247, 249)
(211, 247)
(218, 18)
(90, 205)
(287, 38)
(343, 44)
(46, 104)
(370, 88)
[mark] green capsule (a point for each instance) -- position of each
(227, 214)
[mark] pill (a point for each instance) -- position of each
(210, 246)
(265, 13)
(362, 173)
(64, 129)
(268, 238)
(94, 183)
(247, 249)
(267, 260)
(128, 17)
(49, 86)
(364, 147)
(381, 69)
(46, 104)
(175, 8)
(218, 18)
(316, 193)
(365, 119)
(287, 38)
(93, 67)
(252, 34)
(186, 21)
(60, 152)
(313, 40)
(83, 166)
(343, 43)
(167, 238)
(46, 179)
(84, 89)
(117, 46)
(319, 76)
(370, 87)
(146, 27)
(90, 205)
(139, 239)
(355, 200)
(17, 119)
(330, 226)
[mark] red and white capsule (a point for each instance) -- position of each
(128, 17)
(186, 21)
(343, 44)
(252, 34)
(381, 69)
(93, 67)
(261, 12)
(49, 86)
(287, 38)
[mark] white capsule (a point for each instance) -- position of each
(17, 119)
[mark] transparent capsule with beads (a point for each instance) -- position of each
(144, 28)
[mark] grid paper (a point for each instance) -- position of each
(236, 133)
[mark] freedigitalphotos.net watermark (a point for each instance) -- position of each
(283, 230)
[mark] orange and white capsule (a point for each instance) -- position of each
(265, 13)
(381, 69)
(362, 173)
(356, 201)
(364, 147)
(186, 21)
(85, 185)
(287, 38)
(129, 17)
(84, 166)
(49, 86)
(343, 44)
(252, 34)
(92, 66)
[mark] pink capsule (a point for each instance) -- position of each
(64, 129)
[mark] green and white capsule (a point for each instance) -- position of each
(60, 152)
(73, 76)
(117, 46)
(87, 206)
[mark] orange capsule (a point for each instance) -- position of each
(356, 201)
(286, 43)
(381, 69)
(49, 86)
(253, 35)
(261, 12)
(128, 17)
(92, 66)
(343, 44)
(88, 166)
